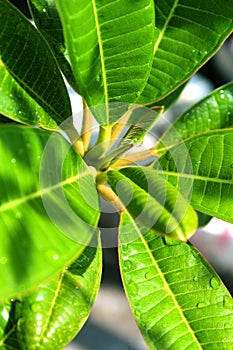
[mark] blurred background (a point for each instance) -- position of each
(111, 325)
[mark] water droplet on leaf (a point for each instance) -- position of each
(149, 275)
(127, 264)
(36, 307)
(231, 166)
(228, 302)
(3, 260)
(13, 160)
(18, 215)
(125, 248)
(227, 325)
(200, 305)
(214, 283)
(195, 279)
(98, 77)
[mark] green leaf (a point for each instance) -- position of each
(8, 337)
(186, 36)
(48, 207)
(202, 168)
(110, 45)
(51, 316)
(153, 202)
(213, 112)
(47, 20)
(141, 121)
(177, 299)
(32, 88)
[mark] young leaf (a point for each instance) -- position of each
(203, 165)
(177, 299)
(48, 22)
(48, 207)
(51, 316)
(153, 202)
(213, 112)
(141, 121)
(110, 45)
(187, 35)
(32, 87)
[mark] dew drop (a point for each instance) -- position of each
(133, 289)
(193, 51)
(13, 160)
(20, 112)
(10, 95)
(18, 215)
(200, 305)
(149, 275)
(127, 265)
(214, 283)
(36, 307)
(44, 10)
(55, 257)
(3, 260)
(124, 248)
(138, 93)
(195, 279)
(231, 166)
(228, 302)
(98, 77)
(52, 256)
(227, 325)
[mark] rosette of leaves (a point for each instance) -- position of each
(129, 60)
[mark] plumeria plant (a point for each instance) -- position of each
(129, 60)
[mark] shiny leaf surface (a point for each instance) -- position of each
(202, 168)
(47, 20)
(51, 316)
(32, 88)
(110, 45)
(45, 218)
(213, 112)
(153, 202)
(187, 35)
(177, 299)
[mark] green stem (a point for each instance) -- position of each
(104, 139)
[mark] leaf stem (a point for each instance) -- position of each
(134, 158)
(107, 193)
(86, 126)
(75, 140)
(103, 139)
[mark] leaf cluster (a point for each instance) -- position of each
(129, 60)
